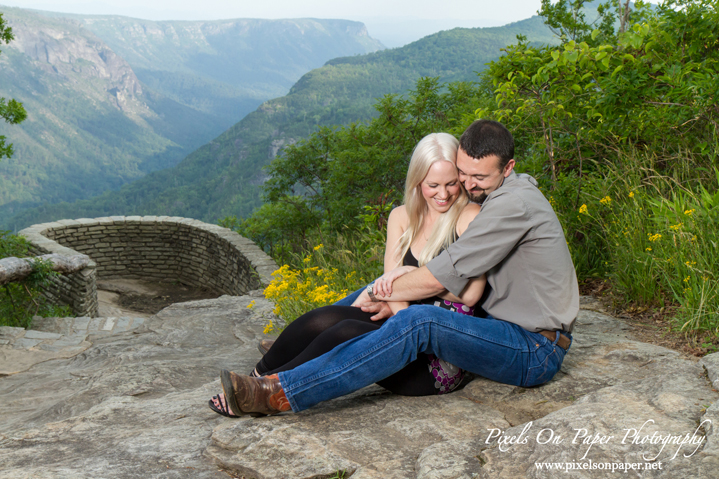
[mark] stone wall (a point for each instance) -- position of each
(156, 248)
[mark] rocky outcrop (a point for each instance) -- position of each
(63, 48)
(134, 404)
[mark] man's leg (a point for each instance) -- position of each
(497, 350)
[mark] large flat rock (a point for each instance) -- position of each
(134, 404)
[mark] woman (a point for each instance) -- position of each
(436, 211)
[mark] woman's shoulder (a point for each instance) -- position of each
(466, 216)
(399, 215)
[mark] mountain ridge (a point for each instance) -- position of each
(223, 177)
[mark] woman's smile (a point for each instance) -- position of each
(440, 188)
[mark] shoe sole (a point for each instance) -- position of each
(229, 390)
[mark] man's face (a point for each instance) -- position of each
(481, 177)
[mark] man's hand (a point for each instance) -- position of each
(382, 309)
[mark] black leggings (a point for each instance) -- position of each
(319, 331)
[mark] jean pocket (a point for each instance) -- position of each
(544, 362)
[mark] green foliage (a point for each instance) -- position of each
(620, 130)
(326, 267)
(22, 300)
(579, 102)
(648, 234)
(329, 178)
(10, 110)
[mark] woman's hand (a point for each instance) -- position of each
(383, 284)
(362, 299)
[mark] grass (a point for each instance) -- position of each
(650, 235)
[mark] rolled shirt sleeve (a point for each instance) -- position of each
(499, 227)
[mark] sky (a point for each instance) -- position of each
(394, 22)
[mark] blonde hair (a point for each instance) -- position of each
(431, 149)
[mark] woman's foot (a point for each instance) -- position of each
(264, 345)
(219, 405)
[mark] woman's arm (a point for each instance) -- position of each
(466, 217)
(471, 293)
(396, 225)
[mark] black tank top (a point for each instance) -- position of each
(410, 260)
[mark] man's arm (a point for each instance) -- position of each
(417, 284)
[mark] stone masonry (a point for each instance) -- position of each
(156, 248)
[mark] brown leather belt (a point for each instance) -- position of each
(563, 342)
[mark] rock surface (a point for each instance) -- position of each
(133, 403)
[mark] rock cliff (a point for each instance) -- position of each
(132, 403)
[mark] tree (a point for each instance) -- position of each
(328, 178)
(10, 110)
(651, 88)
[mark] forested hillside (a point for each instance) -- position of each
(110, 99)
(620, 126)
(224, 176)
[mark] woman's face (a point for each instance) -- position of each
(440, 188)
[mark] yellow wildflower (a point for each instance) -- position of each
(676, 227)
(655, 237)
(606, 200)
(251, 305)
(689, 212)
(583, 210)
(318, 247)
(631, 194)
(690, 263)
(686, 280)
(307, 259)
(648, 249)
(269, 328)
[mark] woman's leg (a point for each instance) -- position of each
(326, 341)
(303, 331)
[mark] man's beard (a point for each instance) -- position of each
(477, 197)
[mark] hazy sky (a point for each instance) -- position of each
(394, 22)
(504, 11)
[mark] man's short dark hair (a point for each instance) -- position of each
(487, 137)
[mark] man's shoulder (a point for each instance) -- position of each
(523, 189)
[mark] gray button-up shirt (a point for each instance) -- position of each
(517, 240)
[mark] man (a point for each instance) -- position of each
(515, 239)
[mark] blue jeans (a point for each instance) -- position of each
(495, 349)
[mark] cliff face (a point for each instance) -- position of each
(66, 52)
(260, 58)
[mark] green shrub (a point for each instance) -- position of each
(20, 301)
